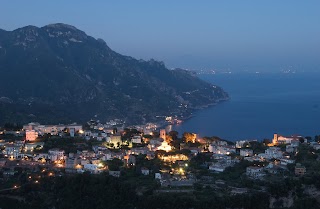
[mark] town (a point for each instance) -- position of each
(158, 158)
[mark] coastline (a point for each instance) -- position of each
(164, 124)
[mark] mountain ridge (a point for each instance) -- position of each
(59, 73)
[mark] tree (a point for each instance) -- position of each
(189, 137)
(174, 135)
(266, 141)
(114, 164)
(301, 140)
(169, 139)
(309, 138)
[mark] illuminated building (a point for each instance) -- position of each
(31, 135)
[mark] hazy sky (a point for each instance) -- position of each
(184, 33)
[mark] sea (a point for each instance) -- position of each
(260, 105)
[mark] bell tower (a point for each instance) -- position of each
(163, 134)
(275, 138)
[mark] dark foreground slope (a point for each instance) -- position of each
(57, 73)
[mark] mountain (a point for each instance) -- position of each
(58, 73)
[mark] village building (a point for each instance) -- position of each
(246, 152)
(145, 171)
(31, 135)
(254, 172)
(299, 170)
(273, 152)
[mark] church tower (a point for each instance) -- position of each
(163, 134)
(275, 138)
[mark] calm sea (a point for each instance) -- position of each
(260, 105)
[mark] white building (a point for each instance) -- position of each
(217, 168)
(240, 144)
(51, 129)
(72, 132)
(254, 171)
(29, 147)
(145, 171)
(273, 152)
(56, 154)
(224, 150)
(136, 139)
(92, 168)
(12, 151)
(74, 126)
(158, 176)
(114, 173)
(286, 161)
(246, 152)
(291, 149)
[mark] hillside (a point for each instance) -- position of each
(58, 73)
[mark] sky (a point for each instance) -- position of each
(190, 34)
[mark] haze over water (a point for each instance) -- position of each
(260, 105)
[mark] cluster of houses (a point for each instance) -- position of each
(87, 160)
(276, 159)
(273, 159)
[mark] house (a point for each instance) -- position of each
(71, 162)
(273, 152)
(31, 146)
(291, 149)
(114, 173)
(224, 150)
(260, 158)
(254, 171)
(136, 139)
(286, 161)
(222, 143)
(86, 154)
(12, 150)
(217, 167)
(138, 151)
(154, 143)
(55, 154)
(8, 173)
(240, 144)
(74, 126)
(130, 160)
(299, 170)
(145, 171)
(158, 176)
(30, 126)
(41, 157)
(98, 149)
(246, 152)
(92, 168)
(84, 162)
(316, 146)
(194, 150)
(2, 163)
(295, 143)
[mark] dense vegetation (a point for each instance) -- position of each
(101, 191)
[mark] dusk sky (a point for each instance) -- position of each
(190, 34)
